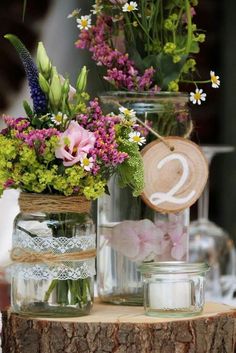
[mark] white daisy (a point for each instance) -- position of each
(215, 80)
(128, 114)
(58, 118)
(136, 137)
(86, 162)
(130, 6)
(84, 22)
(197, 96)
(96, 8)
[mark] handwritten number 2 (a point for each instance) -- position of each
(159, 197)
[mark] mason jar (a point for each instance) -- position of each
(54, 257)
(129, 231)
(173, 289)
(165, 112)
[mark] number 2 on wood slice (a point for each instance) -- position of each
(174, 180)
(160, 197)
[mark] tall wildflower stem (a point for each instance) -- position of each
(161, 23)
(145, 23)
(143, 28)
(130, 30)
(189, 26)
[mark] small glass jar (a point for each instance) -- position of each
(173, 289)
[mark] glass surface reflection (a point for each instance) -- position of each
(210, 243)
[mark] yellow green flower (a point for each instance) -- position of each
(169, 48)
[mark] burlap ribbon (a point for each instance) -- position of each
(32, 202)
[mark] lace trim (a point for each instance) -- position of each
(64, 271)
(59, 245)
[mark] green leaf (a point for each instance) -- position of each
(28, 110)
(150, 60)
(136, 57)
(194, 48)
(24, 10)
(168, 71)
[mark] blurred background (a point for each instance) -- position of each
(215, 120)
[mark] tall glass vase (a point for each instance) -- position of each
(54, 257)
(129, 231)
(208, 242)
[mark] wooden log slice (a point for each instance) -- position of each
(120, 329)
(174, 174)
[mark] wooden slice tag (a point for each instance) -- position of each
(174, 179)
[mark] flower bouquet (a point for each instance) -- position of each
(61, 154)
(145, 45)
(146, 51)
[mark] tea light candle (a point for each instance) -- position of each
(173, 289)
(170, 293)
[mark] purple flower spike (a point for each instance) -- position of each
(37, 95)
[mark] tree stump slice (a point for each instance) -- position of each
(119, 329)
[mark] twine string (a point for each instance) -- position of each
(171, 148)
(32, 202)
(190, 130)
(25, 256)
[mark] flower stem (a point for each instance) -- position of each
(50, 290)
(194, 82)
(143, 28)
(62, 292)
(189, 26)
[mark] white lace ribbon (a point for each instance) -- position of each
(58, 270)
(48, 243)
(63, 271)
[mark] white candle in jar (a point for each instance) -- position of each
(170, 293)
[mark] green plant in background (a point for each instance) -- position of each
(145, 44)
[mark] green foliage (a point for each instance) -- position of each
(159, 34)
(28, 110)
(36, 149)
(131, 171)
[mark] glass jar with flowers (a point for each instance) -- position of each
(61, 156)
(146, 51)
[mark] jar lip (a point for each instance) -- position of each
(150, 94)
(169, 267)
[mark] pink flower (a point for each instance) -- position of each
(174, 237)
(120, 70)
(138, 240)
(178, 235)
(73, 143)
(8, 183)
(192, 12)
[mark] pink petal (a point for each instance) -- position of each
(176, 232)
(125, 240)
(81, 140)
(179, 250)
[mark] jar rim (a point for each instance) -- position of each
(170, 267)
(150, 94)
